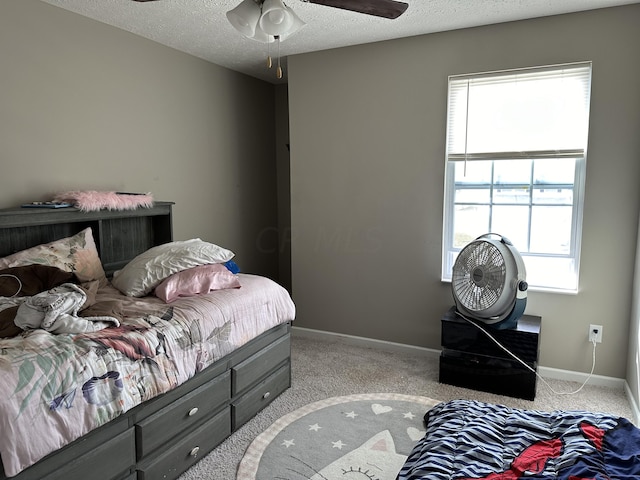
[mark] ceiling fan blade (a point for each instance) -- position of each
(380, 8)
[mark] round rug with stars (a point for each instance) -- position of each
(355, 437)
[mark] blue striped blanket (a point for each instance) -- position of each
(467, 440)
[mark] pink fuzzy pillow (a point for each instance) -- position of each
(92, 201)
(196, 280)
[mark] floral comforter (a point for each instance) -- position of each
(56, 388)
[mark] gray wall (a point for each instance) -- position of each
(87, 106)
(367, 163)
(284, 186)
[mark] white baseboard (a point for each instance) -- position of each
(634, 404)
(545, 372)
(364, 341)
(580, 377)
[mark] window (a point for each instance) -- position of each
(516, 161)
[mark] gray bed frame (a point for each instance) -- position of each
(165, 436)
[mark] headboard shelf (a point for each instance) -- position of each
(120, 235)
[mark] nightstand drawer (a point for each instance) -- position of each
(488, 374)
(182, 414)
(522, 341)
(260, 396)
(185, 453)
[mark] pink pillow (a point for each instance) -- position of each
(196, 280)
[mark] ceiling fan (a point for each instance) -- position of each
(270, 21)
(380, 8)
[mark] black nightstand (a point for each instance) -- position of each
(470, 359)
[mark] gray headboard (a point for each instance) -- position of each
(119, 235)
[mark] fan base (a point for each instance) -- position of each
(506, 324)
(509, 322)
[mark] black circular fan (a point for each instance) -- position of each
(488, 282)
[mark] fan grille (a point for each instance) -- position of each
(478, 276)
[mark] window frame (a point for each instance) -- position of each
(450, 251)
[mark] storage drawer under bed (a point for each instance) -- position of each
(246, 373)
(110, 450)
(111, 459)
(171, 462)
(181, 415)
(246, 406)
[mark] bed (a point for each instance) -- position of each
(106, 377)
(474, 440)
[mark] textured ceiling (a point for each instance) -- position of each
(200, 27)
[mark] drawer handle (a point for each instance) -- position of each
(266, 395)
(193, 411)
(194, 451)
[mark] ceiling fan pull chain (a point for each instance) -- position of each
(269, 62)
(279, 69)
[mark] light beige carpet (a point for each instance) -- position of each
(329, 368)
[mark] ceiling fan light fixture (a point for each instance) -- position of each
(276, 18)
(262, 37)
(245, 17)
(296, 25)
(265, 21)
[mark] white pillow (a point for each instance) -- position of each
(142, 274)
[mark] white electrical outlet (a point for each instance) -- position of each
(595, 333)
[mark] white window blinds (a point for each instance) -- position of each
(530, 113)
